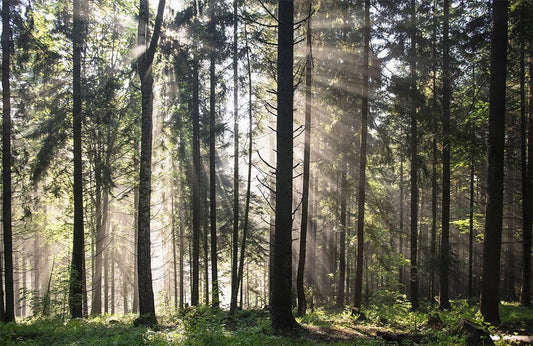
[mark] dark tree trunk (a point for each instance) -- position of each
(9, 313)
(78, 253)
(282, 317)
(444, 302)
(494, 215)
(195, 291)
(400, 241)
(235, 235)
(358, 288)
(471, 230)
(144, 66)
(527, 177)
(212, 172)
(306, 173)
(342, 238)
(249, 176)
(413, 280)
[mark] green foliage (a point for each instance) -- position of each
(386, 312)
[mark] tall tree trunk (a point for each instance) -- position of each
(282, 317)
(413, 281)
(306, 173)
(196, 208)
(444, 302)
(342, 237)
(362, 163)
(212, 171)
(400, 245)
(8, 314)
(235, 235)
(174, 231)
(527, 175)
(144, 66)
(99, 238)
(249, 176)
(494, 215)
(471, 230)
(78, 253)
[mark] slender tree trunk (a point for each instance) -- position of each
(99, 238)
(413, 281)
(471, 230)
(212, 171)
(494, 215)
(182, 250)
(444, 303)
(362, 163)
(249, 175)
(174, 240)
(282, 317)
(342, 238)
(78, 253)
(235, 235)
(6, 167)
(144, 65)
(195, 292)
(400, 245)
(302, 305)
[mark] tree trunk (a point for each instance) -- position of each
(471, 230)
(282, 317)
(249, 176)
(342, 239)
(235, 235)
(9, 313)
(212, 172)
(302, 305)
(527, 184)
(413, 281)
(78, 253)
(444, 302)
(362, 163)
(144, 65)
(195, 292)
(493, 226)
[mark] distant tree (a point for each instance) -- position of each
(282, 317)
(78, 252)
(144, 69)
(489, 301)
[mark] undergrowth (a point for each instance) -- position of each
(386, 312)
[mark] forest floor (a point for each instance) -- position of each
(384, 323)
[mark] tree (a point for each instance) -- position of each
(144, 69)
(235, 234)
(444, 302)
(306, 173)
(413, 282)
(362, 163)
(281, 314)
(6, 163)
(489, 301)
(78, 253)
(212, 155)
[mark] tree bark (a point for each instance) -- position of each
(235, 234)
(527, 177)
(444, 302)
(282, 317)
(78, 253)
(358, 287)
(144, 66)
(212, 171)
(9, 313)
(302, 305)
(195, 292)
(494, 213)
(413, 281)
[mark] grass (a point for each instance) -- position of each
(387, 314)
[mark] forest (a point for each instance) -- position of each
(261, 172)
